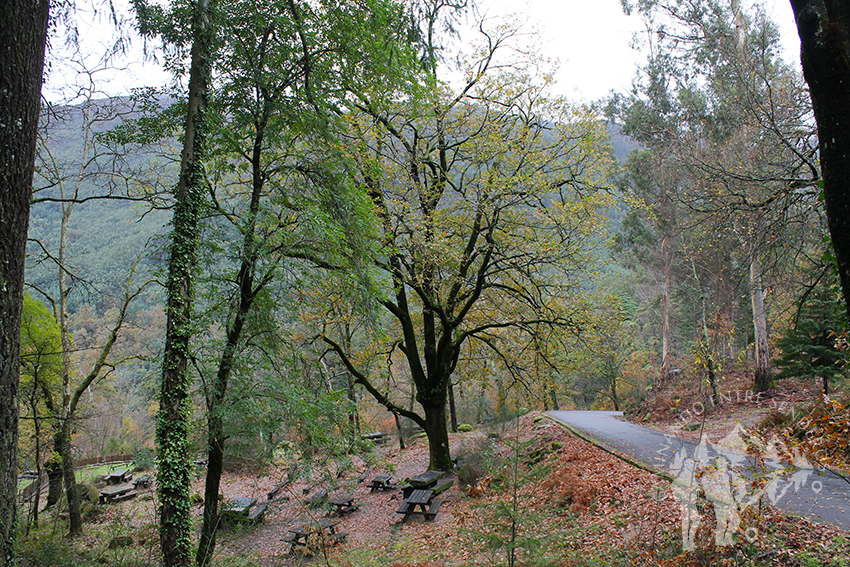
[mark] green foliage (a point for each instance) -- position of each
(41, 343)
(510, 527)
(47, 550)
(144, 459)
(608, 364)
(41, 371)
(815, 346)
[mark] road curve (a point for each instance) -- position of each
(824, 497)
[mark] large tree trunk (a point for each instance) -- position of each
(22, 39)
(54, 481)
(436, 429)
(824, 29)
(172, 431)
(762, 350)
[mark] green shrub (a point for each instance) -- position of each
(465, 428)
(47, 550)
(144, 459)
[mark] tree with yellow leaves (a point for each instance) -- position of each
(488, 197)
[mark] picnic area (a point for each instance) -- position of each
(380, 512)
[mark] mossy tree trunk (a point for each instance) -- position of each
(172, 431)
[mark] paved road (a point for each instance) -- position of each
(823, 496)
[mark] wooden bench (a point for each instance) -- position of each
(443, 486)
(431, 513)
(376, 437)
(276, 490)
(434, 507)
(143, 482)
(112, 493)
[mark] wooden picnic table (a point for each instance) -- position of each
(381, 483)
(343, 504)
(239, 510)
(376, 437)
(303, 534)
(114, 493)
(422, 500)
(420, 497)
(426, 479)
(118, 477)
(239, 505)
(419, 501)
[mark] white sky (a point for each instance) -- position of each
(590, 38)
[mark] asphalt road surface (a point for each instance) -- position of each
(815, 493)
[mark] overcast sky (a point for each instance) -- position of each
(591, 38)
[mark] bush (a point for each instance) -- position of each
(465, 428)
(144, 459)
(47, 550)
(474, 456)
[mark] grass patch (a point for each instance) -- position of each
(88, 474)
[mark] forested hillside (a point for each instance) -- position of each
(352, 243)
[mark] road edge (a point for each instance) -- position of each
(584, 437)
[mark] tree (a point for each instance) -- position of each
(279, 70)
(69, 183)
(812, 346)
(22, 42)
(736, 129)
(608, 351)
(824, 29)
(650, 231)
(485, 198)
(63, 406)
(41, 369)
(172, 430)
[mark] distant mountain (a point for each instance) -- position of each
(105, 236)
(623, 145)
